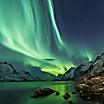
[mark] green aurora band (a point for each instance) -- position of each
(28, 27)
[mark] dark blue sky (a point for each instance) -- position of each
(81, 21)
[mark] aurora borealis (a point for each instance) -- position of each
(32, 30)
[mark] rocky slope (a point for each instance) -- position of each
(9, 73)
(94, 67)
(91, 87)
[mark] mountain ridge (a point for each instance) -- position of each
(93, 67)
(9, 73)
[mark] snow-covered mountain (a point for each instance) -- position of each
(9, 73)
(93, 67)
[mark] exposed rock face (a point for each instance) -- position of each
(9, 73)
(66, 96)
(93, 67)
(6, 68)
(57, 93)
(42, 92)
(91, 87)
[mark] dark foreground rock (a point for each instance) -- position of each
(91, 87)
(74, 93)
(70, 102)
(66, 96)
(57, 93)
(42, 92)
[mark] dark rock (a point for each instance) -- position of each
(26, 72)
(42, 92)
(5, 62)
(57, 93)
(91, 62)
(14, 71)
(91, 67)
(59, 75)
(103, 65)
(91, 87)
(70, 102)
(74, 92)
(66, 96)
(97, 58)
(102, 54)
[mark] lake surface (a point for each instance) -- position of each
(20, 92)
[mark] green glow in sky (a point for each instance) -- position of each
(29, 28)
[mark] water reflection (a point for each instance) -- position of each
(19, 93)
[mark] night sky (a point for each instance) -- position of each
(81, 22)
(51, 34)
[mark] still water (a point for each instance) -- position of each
(20, 92)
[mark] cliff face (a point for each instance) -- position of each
(9, 73)
(94, 67)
